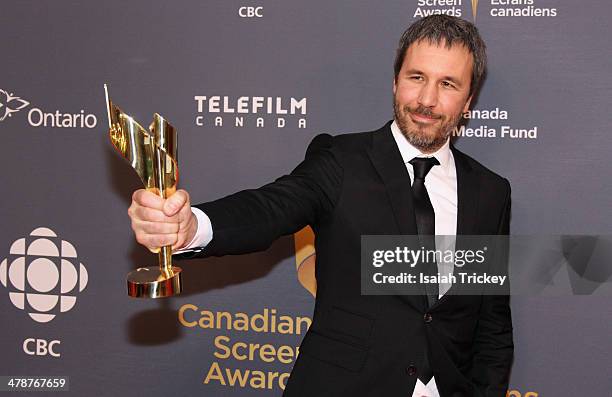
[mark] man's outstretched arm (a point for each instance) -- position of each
(248, 220)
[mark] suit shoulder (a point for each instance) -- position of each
(486, 173)
(345, 142)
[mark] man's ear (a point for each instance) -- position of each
(394, 85)
(467, 104)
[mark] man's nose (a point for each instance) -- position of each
(428, 96)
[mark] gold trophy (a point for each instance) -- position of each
(153, 154)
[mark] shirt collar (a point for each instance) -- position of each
(408, 152)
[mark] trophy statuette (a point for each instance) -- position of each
(153, 155)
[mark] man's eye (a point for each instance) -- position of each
(417, 78)
(448, 84)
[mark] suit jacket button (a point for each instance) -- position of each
(411, 370)
(427, 318)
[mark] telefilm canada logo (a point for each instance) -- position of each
(43, 275)
(250, 111)
(11, 104)
(497, 8)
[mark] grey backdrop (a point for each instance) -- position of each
(546, 72)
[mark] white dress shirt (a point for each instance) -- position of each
(441, 184)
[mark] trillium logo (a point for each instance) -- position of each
(43, 275)
(9, 104)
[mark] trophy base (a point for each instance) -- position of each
(152, 282)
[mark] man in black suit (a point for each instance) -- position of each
(405, 178)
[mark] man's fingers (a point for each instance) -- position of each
(153, 215)
(155, 227)
(148, 199)
(176, 202)
(153, 241)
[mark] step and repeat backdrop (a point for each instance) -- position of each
(248, 84)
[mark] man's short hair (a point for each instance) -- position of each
(451, 30)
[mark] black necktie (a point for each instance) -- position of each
(426, 227)
(425, 218)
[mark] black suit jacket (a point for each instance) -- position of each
(356, 184)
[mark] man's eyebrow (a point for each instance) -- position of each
(452, 79)
(413, 71)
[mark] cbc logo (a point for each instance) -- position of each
(43, 275)
(40, 347)
(250, 12)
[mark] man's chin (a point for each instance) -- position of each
(426, 142)
(424, 135)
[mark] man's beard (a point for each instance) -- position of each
(426, 143)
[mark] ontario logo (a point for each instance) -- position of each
(10, 103)
(43, 275)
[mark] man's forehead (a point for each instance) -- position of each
(424, 51)
(441, 43)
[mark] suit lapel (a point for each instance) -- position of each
(468, 186)
(387, 160)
